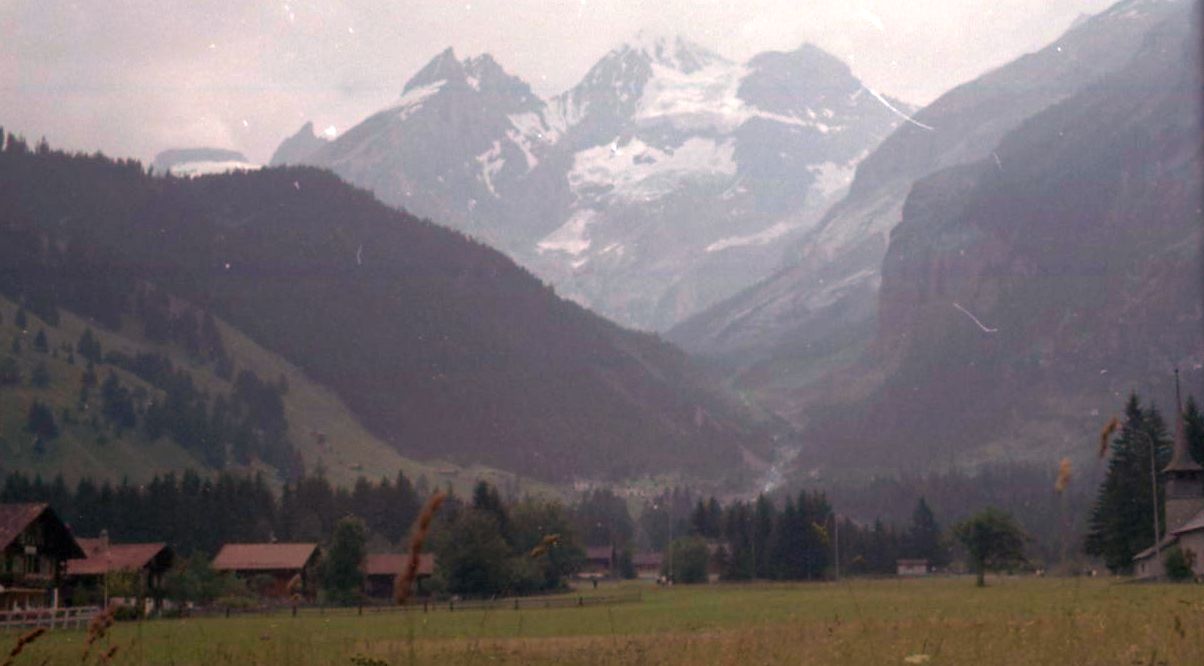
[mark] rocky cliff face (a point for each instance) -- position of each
(1023, 295)
(819, 310)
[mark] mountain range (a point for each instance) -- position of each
(668, 179)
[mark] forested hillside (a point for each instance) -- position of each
(441, 346)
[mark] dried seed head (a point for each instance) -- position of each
(1063, 476)
(1106, 434)
(401, 587)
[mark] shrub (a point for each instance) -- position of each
(1179, 564)
(687, 561)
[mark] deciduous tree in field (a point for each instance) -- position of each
(993, 541)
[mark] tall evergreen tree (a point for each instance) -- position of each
(1193, 424)
(924, 536)
(10, 372)
(40, 377)
(40, 421)
(40, 342)
(1122, 520)
(342, 566)
(762, 537)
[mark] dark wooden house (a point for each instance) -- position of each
(34, 548)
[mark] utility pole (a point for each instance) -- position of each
(104, 544)
(836, 542)
(1154, 490)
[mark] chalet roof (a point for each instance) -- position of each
(16, 518)
(120, 557)
(1167, 541)
(908, 562)
(647, 559)
(392, 564)
(264, 556)
(1194, 525)
(599, 552)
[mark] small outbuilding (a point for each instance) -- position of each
(912, 567)
(381, 571)
(647, 565)
(273, 569)
(599, 562)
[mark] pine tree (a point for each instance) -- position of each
(40, 421)
(1121, 522)
(21, 321)
(40, 342)
(762, 537)
(88, 346)
(485, 498)
(10, 372)
(342, 568)
(924, 537)
(1193, 424)
(40, 377)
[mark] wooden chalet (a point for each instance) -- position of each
(599, 562)
(150, 562)
(381, 570)
(278, 569)
(34, 548)
(648, 565)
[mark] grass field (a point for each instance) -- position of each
(937, 621)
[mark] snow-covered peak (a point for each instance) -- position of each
(672, 51)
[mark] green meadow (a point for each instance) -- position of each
(933, 621)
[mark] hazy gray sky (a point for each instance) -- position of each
(132, 77)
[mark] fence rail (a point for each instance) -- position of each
(431, 606)
(51, 618)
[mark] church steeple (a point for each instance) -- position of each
(1184, 476)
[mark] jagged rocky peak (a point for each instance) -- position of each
(443, 67)
(299, 147)
(477, 74)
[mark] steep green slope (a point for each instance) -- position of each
(442, 347)
(325, 433)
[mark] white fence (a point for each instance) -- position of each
(51, 618)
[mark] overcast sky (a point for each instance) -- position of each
(132, 77)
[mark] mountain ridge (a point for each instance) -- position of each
(443, 347)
